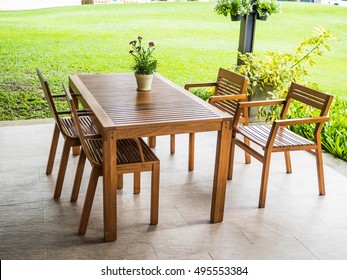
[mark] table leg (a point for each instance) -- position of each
(220, 172)
(75, 150)
(110, 185)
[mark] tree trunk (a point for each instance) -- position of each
(85, 2)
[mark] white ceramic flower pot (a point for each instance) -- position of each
(144, 82)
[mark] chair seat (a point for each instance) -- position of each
(87, 126)
(259, 134)
(127, 151)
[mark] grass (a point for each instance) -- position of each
(192, 42)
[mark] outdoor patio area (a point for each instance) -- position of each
(296, 224)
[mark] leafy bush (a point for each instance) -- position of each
(277, 70)
(203, 93)
(334, 132)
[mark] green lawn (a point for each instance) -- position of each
(192, 42)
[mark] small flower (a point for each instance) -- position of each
(131, 51)
(139, 38)
(151, 44)
(132, 43)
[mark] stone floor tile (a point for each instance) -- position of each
(296, 224)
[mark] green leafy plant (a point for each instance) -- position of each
(267, 7)
(203, 93)
(145, 64)
(233, 7)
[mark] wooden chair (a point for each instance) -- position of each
(230, 88)
(63, 125)
(277, 138)
(133, 156)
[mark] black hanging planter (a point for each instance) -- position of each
(263, 18)
(236, 18)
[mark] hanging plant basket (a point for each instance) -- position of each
(236, 18)
(263, 18)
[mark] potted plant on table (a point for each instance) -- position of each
(265, 8)
(236, 8)
(145, 64)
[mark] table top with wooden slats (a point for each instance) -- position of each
(117, 104)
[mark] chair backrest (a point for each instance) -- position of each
(313, 98)
(51, 104)
(93, 154)
(229, 83)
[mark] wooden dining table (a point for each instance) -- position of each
(121, 112)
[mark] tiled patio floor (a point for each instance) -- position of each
(296, 223)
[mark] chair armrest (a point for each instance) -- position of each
(92, 136)
(216, 98)
(75, 94)
(79, 112)
(210, 84)
(278, 123)
(287, 122)
(63, 95)
(246, 104)
(58, 96)
(65, 112)
(84, 113)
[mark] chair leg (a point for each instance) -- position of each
(137, 182)
(120, 182)
(62, 169)
(288, 162)
(53, 150)
(88, 202)
(76, 150)
(264, 180)
(231, 160)
(247, 156)
(152, 141)
(78, 177)
(155, 194)
(172, 144)
(320, 171)
(191, 151)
